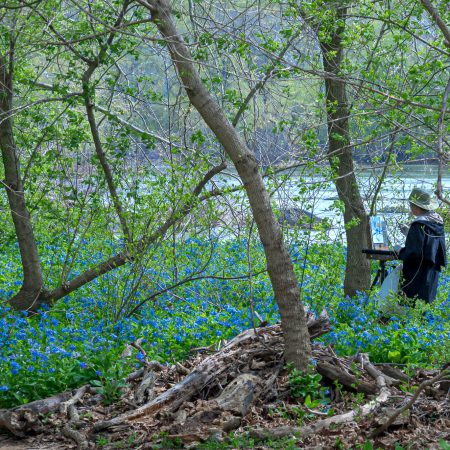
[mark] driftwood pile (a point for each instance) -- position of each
(213, 394)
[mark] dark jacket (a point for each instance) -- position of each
(423, 257)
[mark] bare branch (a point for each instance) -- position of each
(129, 125)
(124, 257)
(270, 72)
(408, 405)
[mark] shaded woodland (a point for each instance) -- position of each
(152, 153)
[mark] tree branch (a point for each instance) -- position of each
(384, 172)
(122, 258)
(94, 128)
(270, 72)
(408, 405)
(438, 20)
(129, 125)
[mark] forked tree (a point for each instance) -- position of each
(279, 264)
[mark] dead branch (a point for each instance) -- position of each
(64, 407)
(334, 373)
(320, 425)
(76, 436)
(392, 372)
(408, 405)
(71, 411)
(374, 372)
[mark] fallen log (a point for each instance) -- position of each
(145, 389)
(221, 414)
(334, 373)
(216, 366)
(25, 418)
(240, 394)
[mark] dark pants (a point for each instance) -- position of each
(420, 281)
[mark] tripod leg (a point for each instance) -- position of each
(375, 280)
(383, 271)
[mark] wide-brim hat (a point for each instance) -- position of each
(423, 199)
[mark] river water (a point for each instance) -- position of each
(317, 195)
(392, 200)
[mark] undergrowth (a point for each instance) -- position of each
(82, 338)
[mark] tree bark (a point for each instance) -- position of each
(340, 155)
(279, 264)
(31, 293)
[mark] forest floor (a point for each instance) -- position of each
(242, 396)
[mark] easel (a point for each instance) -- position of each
(380, 248)
(382, 256)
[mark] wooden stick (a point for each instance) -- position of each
(408, 405)
(320, 425)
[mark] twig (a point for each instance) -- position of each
(408, 405)
(181, 369)
(76, 436)
(135, 375)
(64, 407)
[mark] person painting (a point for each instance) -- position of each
(424, 253)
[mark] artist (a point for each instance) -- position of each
(424, 253)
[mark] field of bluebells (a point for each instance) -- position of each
(82, 338)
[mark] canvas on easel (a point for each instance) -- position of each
(379, 233)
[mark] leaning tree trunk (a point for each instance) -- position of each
(356, 220)
(31, 293)
(279, 264)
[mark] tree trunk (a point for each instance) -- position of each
(31, 293)
(356, 220)
(279, 264)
